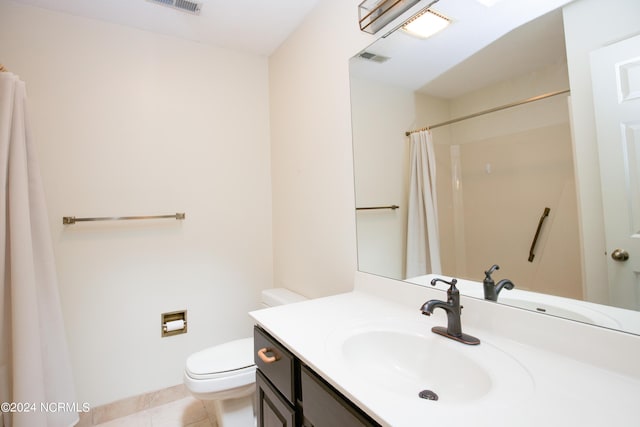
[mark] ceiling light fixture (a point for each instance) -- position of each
(426, 23)
(373, 15)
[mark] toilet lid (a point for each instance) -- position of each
(225, 357)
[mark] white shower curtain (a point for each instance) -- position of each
(35, 370)
(423, 244)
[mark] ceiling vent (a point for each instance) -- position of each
(188, 6)
(373, 57)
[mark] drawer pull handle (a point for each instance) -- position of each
(262, 354)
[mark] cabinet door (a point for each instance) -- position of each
(272, 410)
(323, 406)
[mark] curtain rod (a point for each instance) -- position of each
(490, 110)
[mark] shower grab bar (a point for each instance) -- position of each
(72, 219)
(368, 208)
(544, 216)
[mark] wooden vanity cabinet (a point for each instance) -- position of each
(323, 406)
(276, 382)
(290, 394)
(272, 410)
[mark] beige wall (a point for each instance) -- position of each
(129, 122)
(311, 155)
(529, 171)
(380, 116)
(528, 151)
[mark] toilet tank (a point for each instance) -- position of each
(279, 296)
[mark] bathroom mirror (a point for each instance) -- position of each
(520, 186)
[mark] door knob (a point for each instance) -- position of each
(620, 255)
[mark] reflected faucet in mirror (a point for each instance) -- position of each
(453, 309)
(491, 289)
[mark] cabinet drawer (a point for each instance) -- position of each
(323, 406)
(276, 363)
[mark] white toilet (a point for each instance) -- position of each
(226, 373)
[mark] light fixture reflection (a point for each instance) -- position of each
(426, 24)
(375, 14)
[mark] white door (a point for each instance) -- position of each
(615, 73)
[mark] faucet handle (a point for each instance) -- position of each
(452, 283)
(489, 272)
(452, 291)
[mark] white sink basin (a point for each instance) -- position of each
(405, 358)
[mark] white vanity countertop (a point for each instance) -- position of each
(560, 391)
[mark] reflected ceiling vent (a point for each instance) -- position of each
(373, 57)
(192, 7)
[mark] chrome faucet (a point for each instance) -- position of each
(454, 309)
(491, 289)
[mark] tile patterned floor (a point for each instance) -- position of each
(185, 412)
(169, 407)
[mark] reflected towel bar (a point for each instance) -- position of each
(368, 208)
(73, 219)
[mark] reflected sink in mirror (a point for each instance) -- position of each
(567, 311)
(405, 358)
(581, 311)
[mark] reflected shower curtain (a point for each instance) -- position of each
(423, 244)
(34, 361)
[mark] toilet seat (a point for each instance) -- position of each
(226, 366)
(228, 357)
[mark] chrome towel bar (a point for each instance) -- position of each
(368, 208)
(72, 219)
